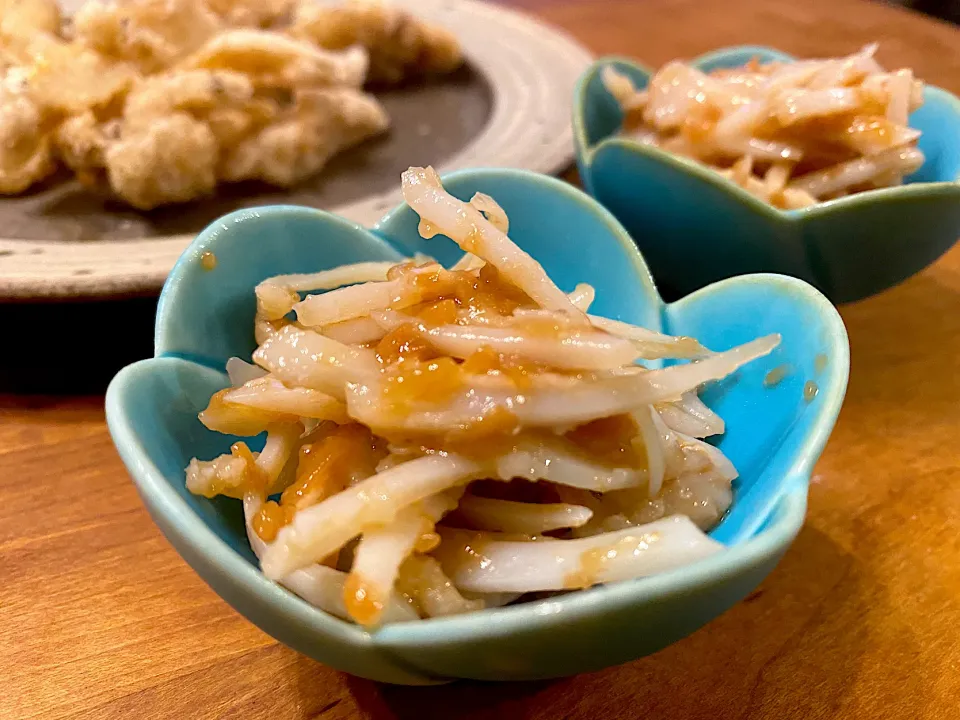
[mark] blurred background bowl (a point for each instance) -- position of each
(695, 227)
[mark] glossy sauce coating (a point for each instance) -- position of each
(595, 563)
(325, 466)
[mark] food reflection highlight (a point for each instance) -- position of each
(440, 441)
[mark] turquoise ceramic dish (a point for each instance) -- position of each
(694, 227)
(774, 435)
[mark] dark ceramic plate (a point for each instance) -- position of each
(508, 107)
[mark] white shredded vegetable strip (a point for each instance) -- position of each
(467, 227)
(492, 600)
(560, 401)
(347, 303)
(275, 301)
(691, 417)
(241, 372)
(570, 350)
(423, 580)
(358, 301)
(335, 277)
(281, 443)
(555, 460)
(224, 475)
(583, 296)
(796, 105)
(652, 344)
(382, 550)
(518, 517)
(717, 460)
(776, 177)
(656, 462)
(492, 211)
(269, 394)
(902, 161)
(354, 332)
(493, 567)
(618, 85)
(307, 359)
(322, 529)
(321, 586)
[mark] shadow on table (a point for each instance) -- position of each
(948, 10)
(508, 701)
(76, 348)
(72, 348)
(793, 648)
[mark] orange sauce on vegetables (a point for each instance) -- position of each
(595, 562)
(612, 440)
(236, 419)
(776, 375)
(363, 602)
(324, 468)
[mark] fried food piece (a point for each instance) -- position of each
(189, 90)
(298, 144)
(251, 13)
(160, 99)
(67, 77)
(230, 125)
(80, 141)
(225, 100)
(152, 35)
(271, 59)
(172, 160)
(172, 130)
(30, 16)
(400, 45)
(25, 148)
(162, 150)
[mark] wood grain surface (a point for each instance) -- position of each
(99, 617)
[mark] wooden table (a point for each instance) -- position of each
(99, 617)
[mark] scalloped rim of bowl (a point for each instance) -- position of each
(586, 151)
(767, 536)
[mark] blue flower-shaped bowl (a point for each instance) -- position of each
(695, 227)
(774, 435)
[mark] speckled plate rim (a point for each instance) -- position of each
(529, 66)
(729, 56)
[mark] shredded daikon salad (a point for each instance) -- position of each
(792, 134)
(440, 441)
